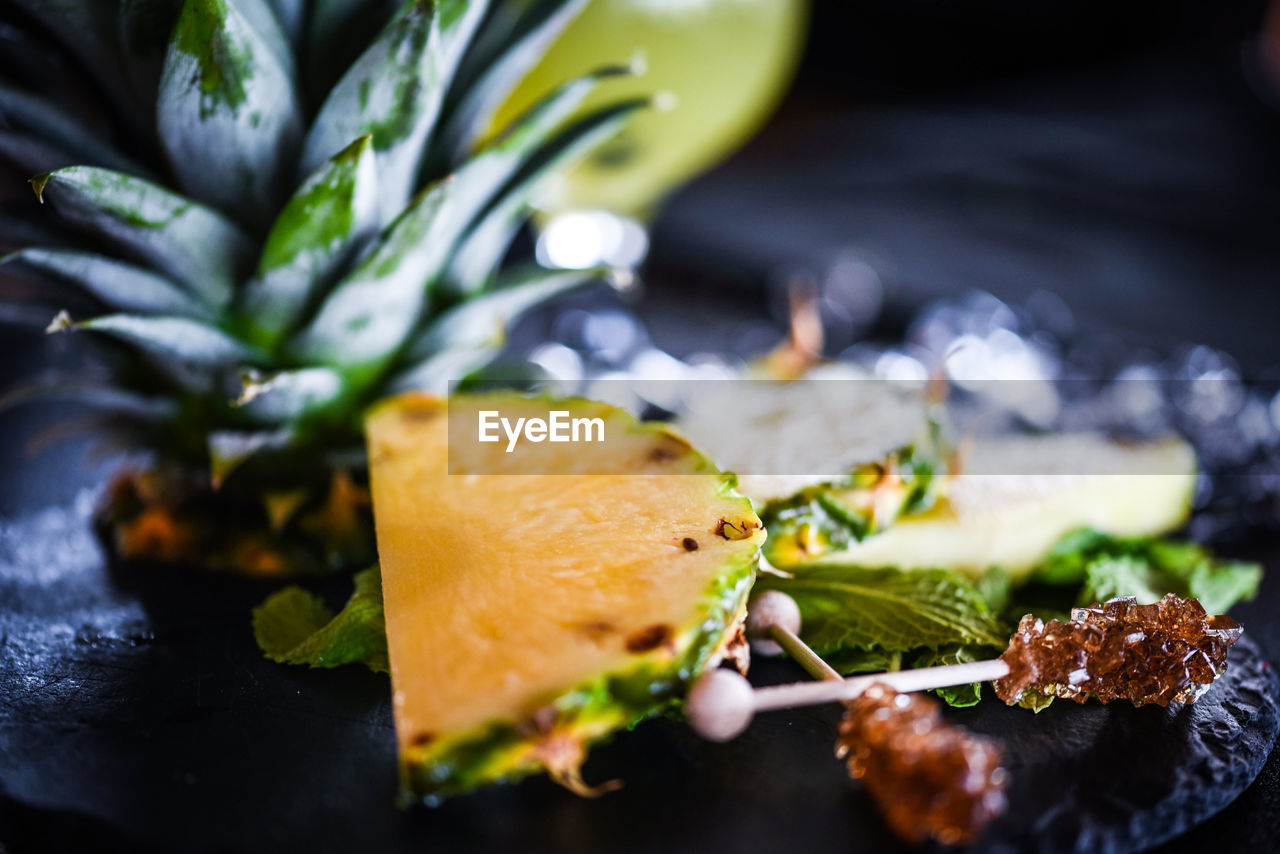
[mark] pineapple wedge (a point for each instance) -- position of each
(835, 449)
(1019, 496)
(529, 615)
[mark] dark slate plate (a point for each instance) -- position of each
(135, 711)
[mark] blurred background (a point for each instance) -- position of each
(1124, 157)
(1074, 194)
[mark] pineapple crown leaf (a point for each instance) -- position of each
(85, 391)
(288, 395)
(227, 111)
(50, 125)
(188, 351)
(324, 233)
(354, 326)
(513, 38)
(330, 217)
(394, 92)
(477, 257)
(466, 337)
(61, 322)
(116, 284)
(38, 184)
(196, 245)
(473, 322)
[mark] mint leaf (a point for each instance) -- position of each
(1066, 561)
(294, 626)
(1147, 569)
(1219, 585)
(1035, 701)
(958, 695)
(1108, 577)
(876, 660)
(888, 610)
(996, 588)
(870, 620)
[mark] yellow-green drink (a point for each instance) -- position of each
(724, 63)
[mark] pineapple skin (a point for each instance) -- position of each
(828, 518)
(1014, 536)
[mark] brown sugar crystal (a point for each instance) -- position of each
(929, 778)
(1163, 653)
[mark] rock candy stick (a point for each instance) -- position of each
(1171, 651)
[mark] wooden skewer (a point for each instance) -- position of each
(905, 681)
(722, 703)
(776, 616)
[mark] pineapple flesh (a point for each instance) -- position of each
(285, 212)
(1018, 496)
(531, 614)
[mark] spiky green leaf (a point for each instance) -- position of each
(45, 121)
(370, 314)
(468, 336)
(473, 265)
(30, 153)
(393, 92)
(435, 373)
(191, 243)
(99, 394)
(120, 286)
(87, 30)
(482, 320)
(503, 53)
(337, 33)
(227, 112)
(185, 349)
(264, 17)
(333, 213)
(289, 395)
(517, 145)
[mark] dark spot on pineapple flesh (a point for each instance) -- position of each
(690, 544)
(735, 530)
(649, 638)
(422, 739)
(594, 629)
(662, 453)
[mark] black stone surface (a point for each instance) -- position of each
(135, 712)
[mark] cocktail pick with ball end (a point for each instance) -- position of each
(722, 703)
